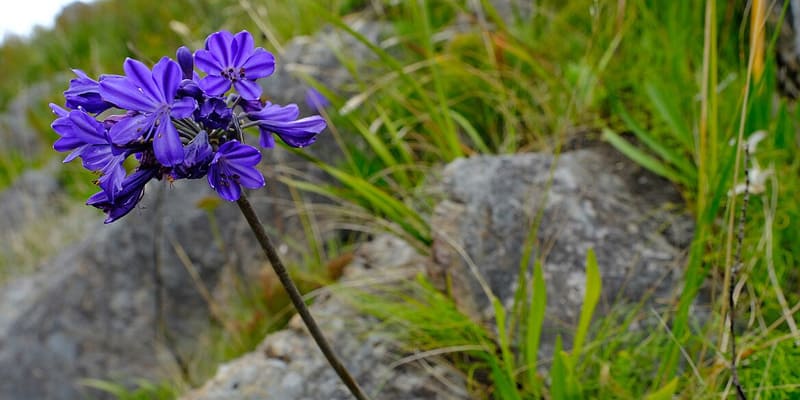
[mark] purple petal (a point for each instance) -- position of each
(130, 128)
(219, 44)
(142, 78)
(121, 92)
(186, 61)
(126, 199)
(215, 85)
(183, 108)
(68, 143)
(113, 176)
(300, 133)
(77, 129)
(79, 151)
(58, 110)
(167, 75)
(220, 182)
(243, 46)
(167, 144)
(266, 139)
(260, 65)
(250, 178)
(84, 92)
(87, 128)
(207, 63)
(275, 112)
(249, 90)
(96, 157)
(238, 153)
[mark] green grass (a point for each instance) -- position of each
(669, 84)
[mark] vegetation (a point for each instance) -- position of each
(676, 86)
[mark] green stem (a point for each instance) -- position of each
(297, 299)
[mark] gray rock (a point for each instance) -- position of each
(597, 199)
(28, 209)
(511, 10)
(288, 365)
(24, 201)
(90, 312)
(16, 131)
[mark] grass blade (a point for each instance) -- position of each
(643, 159)
(592, 296)
(533, 330)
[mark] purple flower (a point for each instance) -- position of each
(127, 198)
(232, 166)
(152, 95)
(84, 92)
(283, 122)
(233, 60)
(88, 139)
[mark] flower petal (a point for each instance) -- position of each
(215, 85)
(130, 128)
(167, 144)
(186, 61)
(127, 198)
(219, 44)
(260, 64)
(240, 153)
(220, 181)
(167, 75)
(207, 63)
(275, 112)
(300, 133)
(266, 140)
(242, 47)
(248, 177)
(249, 90)
(141, 77)
(183, 108)
(121, 92)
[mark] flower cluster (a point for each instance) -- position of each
(177, 123)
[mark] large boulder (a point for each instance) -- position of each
(92, 310)
(288, 365)
(591, 198)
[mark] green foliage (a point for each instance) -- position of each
(143, 390)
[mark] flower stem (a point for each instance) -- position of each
(297, 299)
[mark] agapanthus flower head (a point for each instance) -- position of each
(176, 123)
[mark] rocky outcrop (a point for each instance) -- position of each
(288, 365)
(591, 198)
